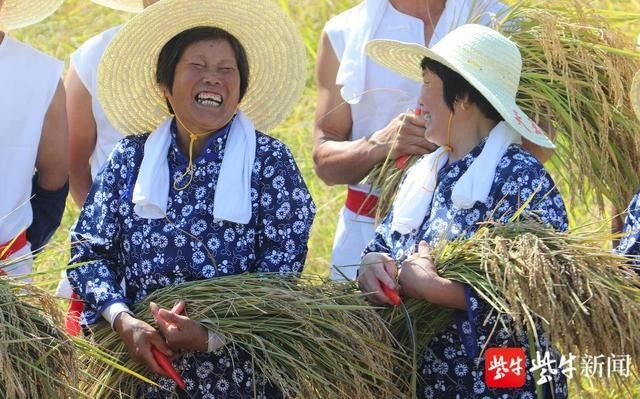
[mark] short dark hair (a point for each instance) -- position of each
(173, 50)
(455, 87)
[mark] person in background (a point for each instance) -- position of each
(33, 138)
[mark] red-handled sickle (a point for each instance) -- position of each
(72, 320)
(165, 364)
(391, 294)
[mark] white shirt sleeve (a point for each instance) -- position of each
(112, 311)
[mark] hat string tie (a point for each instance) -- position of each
(190, 168)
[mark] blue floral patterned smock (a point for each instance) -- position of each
(453, 364)
(154, 253)
(630, 242)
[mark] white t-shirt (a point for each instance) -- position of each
(85, 60)
(28, 82)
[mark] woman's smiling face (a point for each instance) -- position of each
(434, 108)
(206, 86)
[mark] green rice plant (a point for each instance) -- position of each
(309, 339)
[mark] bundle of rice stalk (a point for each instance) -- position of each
(36, 356)
(586, 298)
(311, 340)
(426, 321)
(575, 74)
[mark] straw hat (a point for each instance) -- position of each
(122, 5)
(20, 13)
(127, 88)
(635, 94)
(487, 60)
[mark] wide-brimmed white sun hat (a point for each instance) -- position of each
(127, 88)
(635, 94)
(16, 14)
(122, 5)
(486, 59)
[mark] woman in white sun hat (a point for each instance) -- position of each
(205, 194)
(479, 173)
(91, 136)
(630, 242)
(33, 135)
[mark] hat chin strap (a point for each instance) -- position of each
(189, 171)
(448, 147)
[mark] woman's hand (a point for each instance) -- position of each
(419, 278)
(418, 273)
(180, 332)
(377, 268)
(138, 337)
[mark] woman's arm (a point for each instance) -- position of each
(95, 249)
(419, 279)
(95, 271)
(285, 214)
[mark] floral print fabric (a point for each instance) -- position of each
(630, 242)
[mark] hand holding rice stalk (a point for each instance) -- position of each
(575, 74)
(309, 339)
(36, 357)
(586, 298)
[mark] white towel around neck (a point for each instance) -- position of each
(353, 63)
(232, 198)
(416, 192)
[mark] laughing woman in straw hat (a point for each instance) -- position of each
(479, 173)
(33, 135)
(205, 194)
(630, 242)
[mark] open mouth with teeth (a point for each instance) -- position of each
(209, 99)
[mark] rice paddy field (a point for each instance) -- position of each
(79, 20)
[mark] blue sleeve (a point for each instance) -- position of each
(382, 236)
(630, 242)
(285, 213)
(48, 208)
(95, 272)
(526, 184)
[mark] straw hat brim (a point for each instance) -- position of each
(405, 59)
(635, 94)
(127, 88)
(16, 14)
(122, 5)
